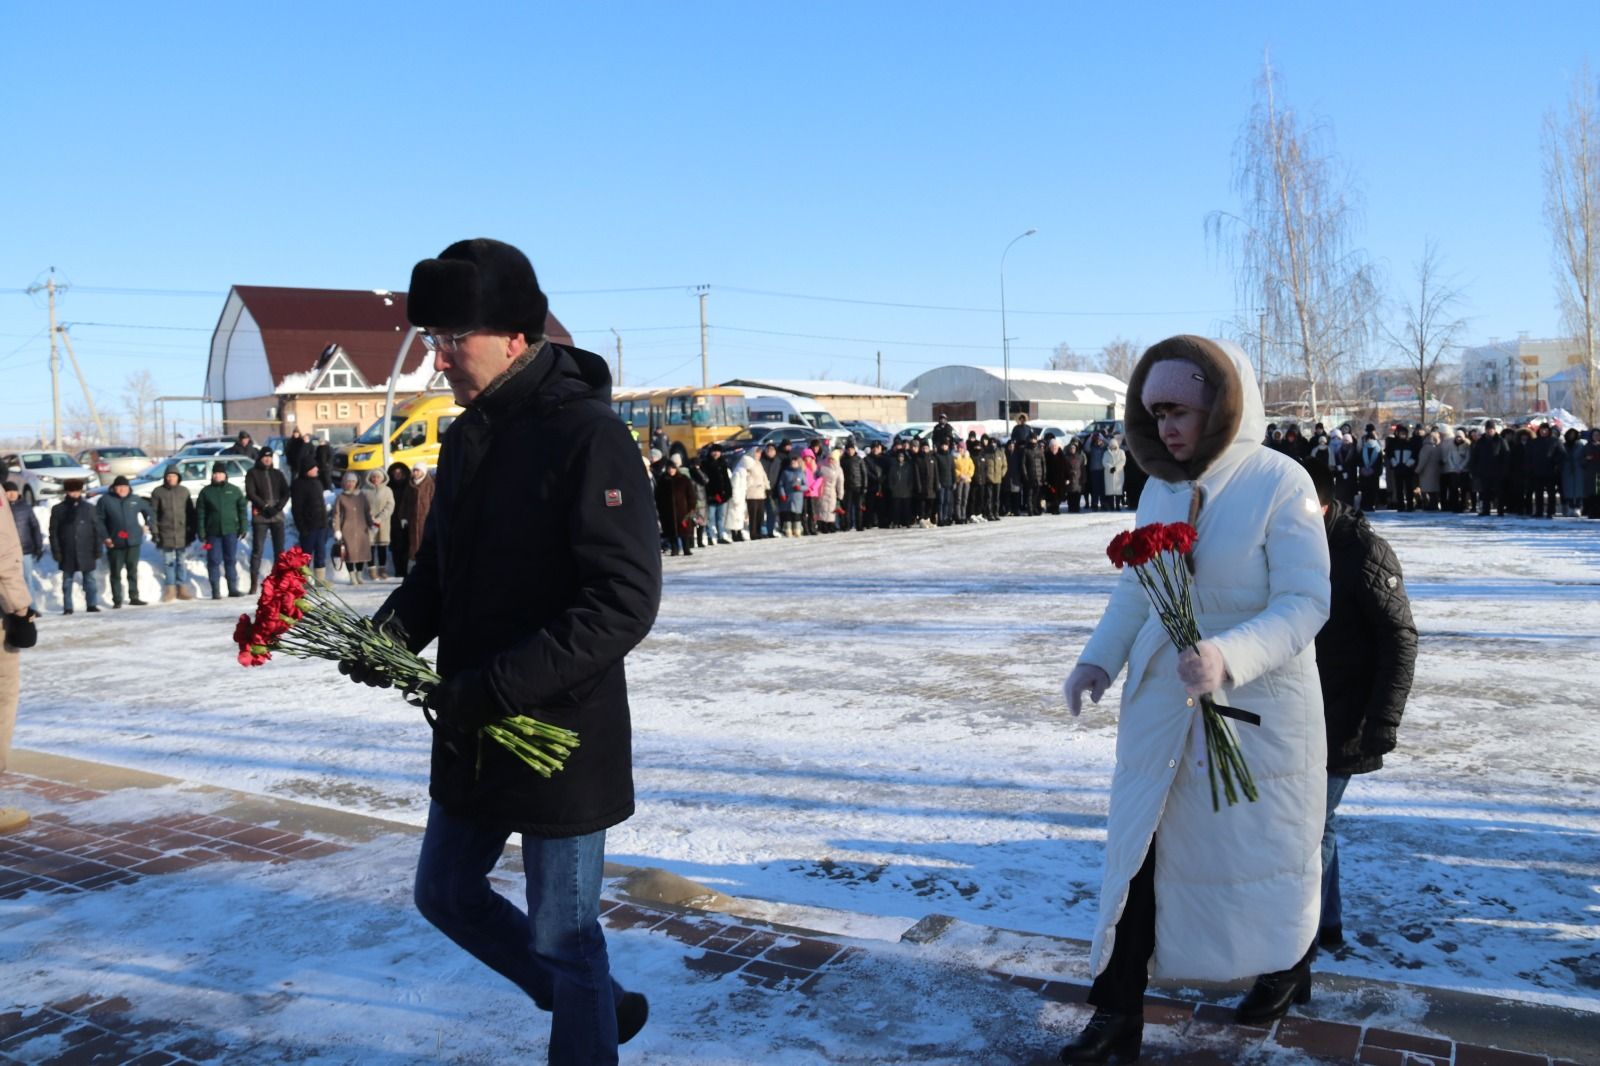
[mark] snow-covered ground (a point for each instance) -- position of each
(871, 724)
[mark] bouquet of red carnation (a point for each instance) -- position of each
(298, 617)
(1160, 556)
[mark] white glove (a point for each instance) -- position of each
(404, 522)
(1085, 677)
(1203, 673)
(337, 536)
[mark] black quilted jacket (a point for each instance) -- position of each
(1367, 651)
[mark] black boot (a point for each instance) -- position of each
(1109, 1037)
(1273, 992)
(633, 1010)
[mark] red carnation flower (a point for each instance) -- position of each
(1146, 542)
(244, 631)
(1117, 549)
(1180, 538)
(122, 534)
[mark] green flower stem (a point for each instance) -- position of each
(1166, 583)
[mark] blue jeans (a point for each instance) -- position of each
(177, 568)
(1332, 914)
(946, 502)
(556, 953)
(716, 521)
(769, 520)
(315, 541)
(29, 580)
(222, 550)
(91, 590)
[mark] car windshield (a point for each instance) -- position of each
(121, 453)
(374, 433)
(47, 461)
(746, 436)
(823, 420)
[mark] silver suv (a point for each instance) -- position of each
(40, 475)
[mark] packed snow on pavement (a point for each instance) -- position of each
(867, 728)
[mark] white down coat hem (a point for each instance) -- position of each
(1238, 890)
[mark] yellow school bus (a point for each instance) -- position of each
(681, 420)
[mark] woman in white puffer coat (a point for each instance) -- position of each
(1189, 892)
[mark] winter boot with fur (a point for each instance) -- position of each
(185, 592)
(169, 593)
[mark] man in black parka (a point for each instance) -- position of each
(1366, 656)
(538, 571)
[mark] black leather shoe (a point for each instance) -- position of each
(633, 1010)
(1273, 992)
(1108, 1038)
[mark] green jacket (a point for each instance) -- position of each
(221, 511)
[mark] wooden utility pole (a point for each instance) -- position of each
(55, 357)
(99, 429)
(705, 366)
(619, 353)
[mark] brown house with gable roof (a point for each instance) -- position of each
(316, 359)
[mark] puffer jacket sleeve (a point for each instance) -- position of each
(1298, 593)
(13, 589)
(1386, 610)
(1113, 638)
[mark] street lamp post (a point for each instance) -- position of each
(1005, 341)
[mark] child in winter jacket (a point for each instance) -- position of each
(791, 491)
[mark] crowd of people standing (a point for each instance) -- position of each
(805, 490)
(366, 528)
(1534, 472)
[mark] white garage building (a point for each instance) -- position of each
(967, 393)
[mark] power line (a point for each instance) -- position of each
(875, 340)
(950, 307)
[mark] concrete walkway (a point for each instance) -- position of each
(787, 971)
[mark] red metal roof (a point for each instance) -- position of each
(297, 324)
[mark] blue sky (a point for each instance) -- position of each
(882, 152)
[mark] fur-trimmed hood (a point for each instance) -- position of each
(1236, 421)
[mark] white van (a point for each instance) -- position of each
(769, 405)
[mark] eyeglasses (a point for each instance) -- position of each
(445, 342)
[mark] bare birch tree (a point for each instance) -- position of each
(1119, 357)
(1064, 358)
(1291, 243)
(139, 400)
(1431, 328)
(1572, 207)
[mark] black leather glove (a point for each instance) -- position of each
(362, 672)
(465, 702)
(20, 632)
(1377, 740)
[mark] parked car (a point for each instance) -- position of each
(39, 475)
(194, 473)
(205, 446)
(868, 433)
(114, 460)
(1106, 427)
(759, 434)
